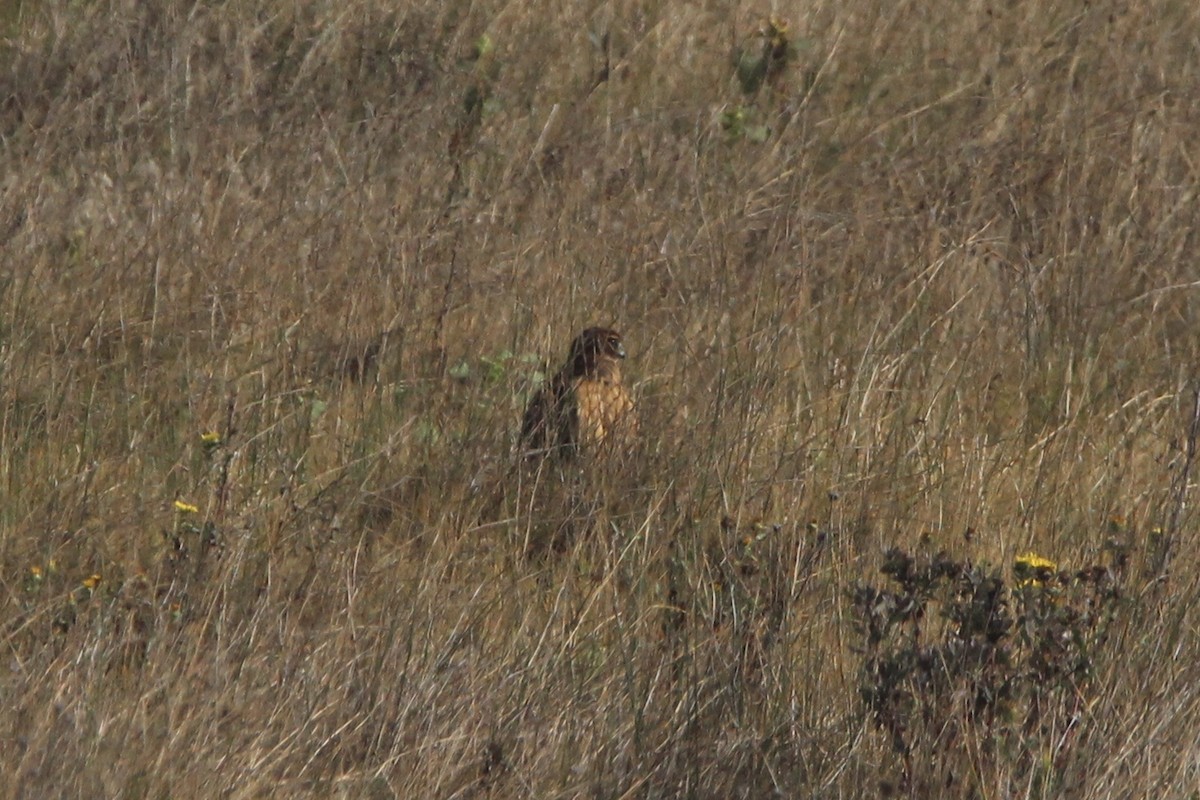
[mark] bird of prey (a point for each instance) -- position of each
(585, 407)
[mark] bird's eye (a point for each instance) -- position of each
(614, 342)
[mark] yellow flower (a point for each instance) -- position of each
(1030, 569)
(185, 508)
(91, 582)
(776, 26)
(1032, 562)
(210, 438)
(36, 572)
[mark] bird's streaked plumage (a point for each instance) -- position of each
(585, 408)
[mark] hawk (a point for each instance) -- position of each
(585, 407)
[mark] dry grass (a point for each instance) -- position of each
(944, 283)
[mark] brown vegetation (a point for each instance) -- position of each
(890, 274)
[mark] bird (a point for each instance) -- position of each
(585, 408)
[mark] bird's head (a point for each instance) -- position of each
(596, 350)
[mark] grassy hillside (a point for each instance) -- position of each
(278, 279)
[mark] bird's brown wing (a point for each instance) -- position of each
(549, 420)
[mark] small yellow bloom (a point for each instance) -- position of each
(210, 438)
(1033, 562)
(91, 582)
(1030, 569)
(36, 572)
(185, 508)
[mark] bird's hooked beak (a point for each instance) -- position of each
(620, 351)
